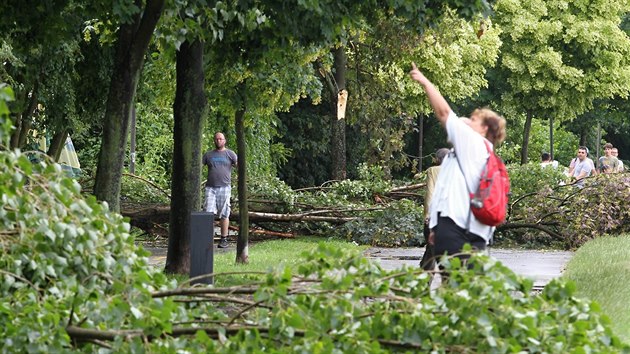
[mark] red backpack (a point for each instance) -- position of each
(489, 202)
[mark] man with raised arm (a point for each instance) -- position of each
(451, 221)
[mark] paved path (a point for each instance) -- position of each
(540, 266)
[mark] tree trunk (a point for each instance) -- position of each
(551, 137)
(242, 243)
(189, 111)
(386, 156)
(56, 144)
(338, 122)
(597, 145)
(17, 127)
(132, 143)
(27, 124)
(23, 121)
(420, 141)
(526, 130)
(132, 43)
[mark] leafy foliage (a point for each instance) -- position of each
(568, 216)
(399, 224)
(339, 302)
(385, 103)
(579, 55)
(532, 178)
(272, 188)
(565, 142)
(309, 162)
(64, 259)
(73, 281)
(6, 95)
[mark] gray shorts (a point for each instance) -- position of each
(217, 201)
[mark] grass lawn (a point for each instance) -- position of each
(274, 253)
(601, 271)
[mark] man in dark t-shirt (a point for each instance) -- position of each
(219, 184)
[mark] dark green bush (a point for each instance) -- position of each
(399, 224)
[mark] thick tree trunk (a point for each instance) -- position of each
(56, 144)
(189, 112)
(526, 130)
(242, 243)
(338, 122)
(132, 43)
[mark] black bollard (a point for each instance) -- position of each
(201, 245)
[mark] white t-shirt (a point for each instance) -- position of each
(587, 166)
(451, 197)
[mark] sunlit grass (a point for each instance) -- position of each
(601, 271)
(264, 256)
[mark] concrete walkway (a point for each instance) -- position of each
(540, 266)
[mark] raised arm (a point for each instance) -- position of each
(439, 104)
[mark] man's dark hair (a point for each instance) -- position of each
(545, 156)
(440, 154)
(583, 148)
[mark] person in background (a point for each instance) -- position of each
(615, 153)
(583, 167)
(546, 160)
(219, 184)
(451, 221)
(428, 259)
(608, 163)
(575, 160)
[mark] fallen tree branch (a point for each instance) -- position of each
(259, 231)
(149, 183)
(408, 187)
(147, 217)
(255, 216)
(511, 226)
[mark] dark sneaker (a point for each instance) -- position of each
(223, 243)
